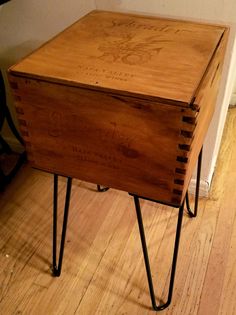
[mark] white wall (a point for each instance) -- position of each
(26, 24)
(211, 9)
(233, 98)
(219, 11)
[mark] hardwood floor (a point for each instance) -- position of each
(103, 270)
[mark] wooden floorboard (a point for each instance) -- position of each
(103, 270)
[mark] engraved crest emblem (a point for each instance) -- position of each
(124, 43)
(130, 51)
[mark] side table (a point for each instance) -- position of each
(123, 101)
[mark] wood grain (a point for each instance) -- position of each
(137, 120)
(129, 145)
(130, 53)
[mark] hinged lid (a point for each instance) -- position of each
(129, 54)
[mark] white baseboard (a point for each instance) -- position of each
(204, 188)
(233, 100)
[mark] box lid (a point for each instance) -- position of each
(129, 54)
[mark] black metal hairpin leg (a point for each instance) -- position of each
(102, 189)
(191, 213)
(146, 258)
(56, 269)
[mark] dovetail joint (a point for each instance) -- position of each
(180, 171)
(13, 85)
(189, 120)
(175, 200)
(182, 159)
(28, 144)
(177, 192)
(187, 134)
(178, 181)
(184, 147)
(17, 98)
(24, 133)
(22, 122)
(19, 110)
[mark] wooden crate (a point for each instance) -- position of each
(121, 100)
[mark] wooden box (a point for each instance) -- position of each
(121, 100)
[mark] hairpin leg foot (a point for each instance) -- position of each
(56, 268)
(191, 213)
(102, 189)
(146, 258)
